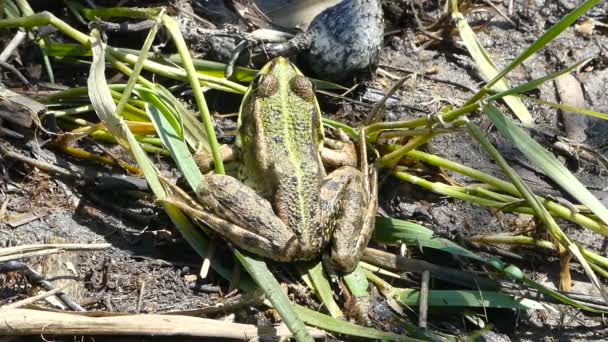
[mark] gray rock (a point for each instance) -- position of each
(346, 40)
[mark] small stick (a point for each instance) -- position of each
(35, 277)
(31, 300)
(30, 254)
(63, 246)
(32, 322)
(141, 296)
(17, 73)
(208, 258)
(39, 164)
(424, 299)
(12, 45)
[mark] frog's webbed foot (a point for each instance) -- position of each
(339, 152)
(204, 159)
(246, 219)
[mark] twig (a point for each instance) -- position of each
(373, 115)
(17, 73)
(431, 78)
(208, 258)
(424, 299)
(12, 46)
(228, 305)
(63, 246)
(125, 26)
(31, 300)
(394, 262)
(36, 278)
(500, 12)
(141, 296)
(29, 322)
(28, 255)
(40, 164)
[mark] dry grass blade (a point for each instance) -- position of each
(31, 300)
(488, 68)
(63, 246)
(34, 322)
(19, 256)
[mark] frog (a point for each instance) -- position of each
(283, 204)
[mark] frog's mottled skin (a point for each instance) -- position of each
(346, 39)
(284, 206)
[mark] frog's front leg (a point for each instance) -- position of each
(247, 219)
(350, 210)
(339, 152)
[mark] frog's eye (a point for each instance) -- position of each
(266, 85)
(302, 87)
(258, 78)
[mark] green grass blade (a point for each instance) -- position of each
(546, 162)
(322, 288)
(390, 230)
(540, 211)
(469, 299)
(566, 108)
(176, 146)
(357, 282)
(182, 49)
(331, 324)
(272, 289)
(537, 82)
(25, 8)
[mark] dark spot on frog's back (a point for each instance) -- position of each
(293, 181)
(332, 185)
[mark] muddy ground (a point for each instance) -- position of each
(150, 269)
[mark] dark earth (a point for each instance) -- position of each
(148, 253)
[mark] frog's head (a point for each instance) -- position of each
(281, 76)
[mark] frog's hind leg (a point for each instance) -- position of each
(246, 219)
(347, 208)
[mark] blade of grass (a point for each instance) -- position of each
(390, 230)
(545, 161)
(272, 289)
(101, 99)
(331, 324)
(177, 147)
(46, 18)
(205, 67)
(182, 49)
(126, 94)
(357, 283)
(488, 69)
(441, 299)
(26, 10)
(567, 108)
(535, 83)
(540, 43)
(540, 211)
(559, 210)
(323, 289)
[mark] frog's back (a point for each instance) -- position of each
(283, 161)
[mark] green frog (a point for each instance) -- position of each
(284, 205)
